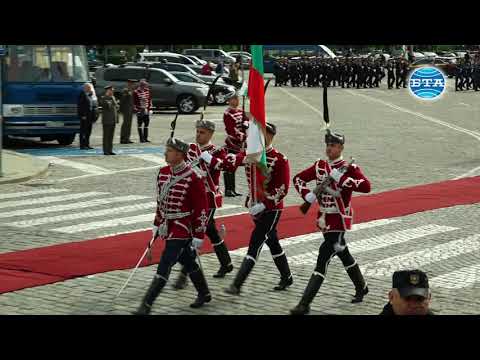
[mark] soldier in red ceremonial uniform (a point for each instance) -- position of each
(181, 220)
(210, 160)
(236, 124)
(142, 105)
(334, 217)
(266, 214)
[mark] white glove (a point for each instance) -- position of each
(150, 112)
(311, 197)
(257, 209)
(206, 156)
(197, 243)
(336, 175)
(246, 124)
(155, 229)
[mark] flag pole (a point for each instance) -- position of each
(253, 180)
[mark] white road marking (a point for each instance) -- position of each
(108, 173)
(72, 206)
(418, 259)
(377, 242)
(472, 133)
(458, 279)
(29, 193)
(88, 214)
(50, 199)
(295, 240)
(156, 159)
(88, 168)
(106, 223)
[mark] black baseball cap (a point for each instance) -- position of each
(411, 283)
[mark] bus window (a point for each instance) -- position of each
(80, 72)
(28, 64)
(62, 63)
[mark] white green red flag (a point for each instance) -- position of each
(257, 128)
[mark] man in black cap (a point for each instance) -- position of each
(265, 209)
(181, 220)
(410, 294)
(336, 181)
(126, 108)
(109, 119)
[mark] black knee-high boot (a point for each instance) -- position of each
(361, 288)
(243, 272)
(311, 290)
(145, 135)
(227, 179)
(182, 280)
(140, 134)
(286, 278)
(153, 291)
(224, 258)
(200, 283)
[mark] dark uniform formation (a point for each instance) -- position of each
(347, 72)
(467, 74)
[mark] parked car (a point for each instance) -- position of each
(167, 90)
(213, 55)
(430, 55)
(447, 67)
(197, 60)
(177, 67)
(169, 57)
(219, 91)
(235, 53)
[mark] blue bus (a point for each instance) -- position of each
(272, 52)
(40, 88)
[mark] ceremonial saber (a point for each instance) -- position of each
(147, 250)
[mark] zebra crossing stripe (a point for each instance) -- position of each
(106, 223)
(72, 206)
(150, 158)
(89, 214)
(30, 193)
(49, 199)
(88, 168)
(458, 279)
(418, 259)
(295, 240)
(377, 242)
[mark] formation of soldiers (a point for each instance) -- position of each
(349, 72)
(188, 193)
(467, 74)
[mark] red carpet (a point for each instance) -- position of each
(46, 265)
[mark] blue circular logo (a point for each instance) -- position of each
(427, 83)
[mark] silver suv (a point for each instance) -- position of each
(167, 90)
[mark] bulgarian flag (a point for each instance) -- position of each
(257, 128)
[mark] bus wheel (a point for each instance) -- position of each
(66, 139)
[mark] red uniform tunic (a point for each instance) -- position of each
(182, 211)
(210, 173)
(234, 120)
(331, 216)
(278, 179)
(142, 100)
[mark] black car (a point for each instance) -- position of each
(219, 92)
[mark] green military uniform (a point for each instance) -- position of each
(126, 108)
(109, 119)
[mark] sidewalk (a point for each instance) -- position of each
(20, 167)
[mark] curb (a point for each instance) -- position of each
(41, 165)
